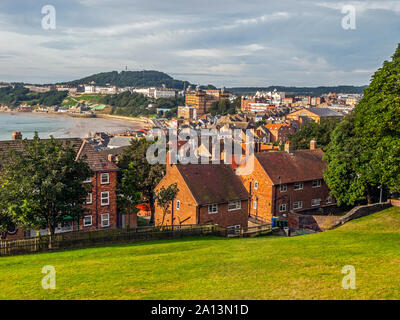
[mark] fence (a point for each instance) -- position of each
(113, 236)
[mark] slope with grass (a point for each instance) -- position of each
(306, 267)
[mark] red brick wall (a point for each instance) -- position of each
(96, 209)
(224, 217)
(187, 212)
(306, 195)
(264, 193)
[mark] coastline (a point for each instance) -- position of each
(65, 126)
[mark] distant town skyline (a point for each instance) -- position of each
(229, 43)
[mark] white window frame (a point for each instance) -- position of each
(212, 208)
(313, 202)
(105, 217)
(255, 185)
(297, 205)
(87, 224)
(317, 182)
(283, 187)
(105, 175)
(88, 180)
(236, 203)
(281, 206)
(178, 205)
(90, 196)
(329, 200)
(103, 198)
(255, 205)
(298, 186)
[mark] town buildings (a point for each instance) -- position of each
(306, 115)
(202, 100)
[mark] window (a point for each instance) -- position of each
(105, 198)
(282, 207)
(87, 221)
(329, 200)
(212, 208)
(88, 180)
(283, 187)
(254, 204)
(234, 205)
(89, 198)
(298, 205)
(178, 204)
(315, 202)
(105, 178)
(316, 183)
(298, 186)
(255, 185)
(105, 220)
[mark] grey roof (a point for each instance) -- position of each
(325, 112)
(119, 141)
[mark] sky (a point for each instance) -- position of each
(226, 43)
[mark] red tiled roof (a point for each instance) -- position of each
(301, 165)
(212, 183)
(85, 152)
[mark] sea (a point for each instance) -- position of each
(58, 126)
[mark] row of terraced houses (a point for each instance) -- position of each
(281, 182)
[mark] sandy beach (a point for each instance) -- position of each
(64, 126)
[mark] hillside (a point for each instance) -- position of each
(140, 79)
(305, 267)
(313, 91)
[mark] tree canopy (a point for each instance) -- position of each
(134, 158)
(320, 132)
(364, 152)
(42, 184)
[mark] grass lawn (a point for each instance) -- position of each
(305, 267)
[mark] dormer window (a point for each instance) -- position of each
(255, 185)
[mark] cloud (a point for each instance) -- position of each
(262, 42)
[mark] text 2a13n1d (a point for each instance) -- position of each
(221, 309)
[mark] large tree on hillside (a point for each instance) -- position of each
(364, 153)
(43, 184)
(134, 157)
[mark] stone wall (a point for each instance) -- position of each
(321, 223)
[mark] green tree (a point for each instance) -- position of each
(150, 175)
(320, 132)
(364, 153)
(43, 184)
(165, 199)
(129, 194)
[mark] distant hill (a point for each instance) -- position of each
(140, 79)
(312, 91)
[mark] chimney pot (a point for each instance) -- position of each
(313, 144)
(288, 147)
(16, 135)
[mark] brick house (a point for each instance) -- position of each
(280, 131)
(101, 202)
(287, 181)
(208, 194)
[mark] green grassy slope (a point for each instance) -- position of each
(306, 267)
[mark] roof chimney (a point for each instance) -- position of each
(313, 144)
(16, 135)
(288, 147)
(111, 158)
